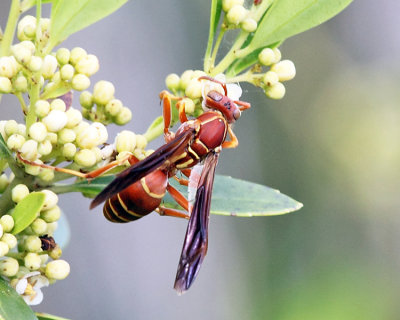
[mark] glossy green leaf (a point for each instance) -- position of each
(46, 316)
(70, 16)
(231, 197)
(12, 306)
(286, 18)
(27, 210)
(234, 197)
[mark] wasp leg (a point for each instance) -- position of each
(162, 211)
(233, 143)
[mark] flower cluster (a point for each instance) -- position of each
(25, 256)
(54, 132)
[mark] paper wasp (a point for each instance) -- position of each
(139, 189)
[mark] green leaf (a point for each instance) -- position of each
(286, 18)
(234, 197)
(27, 210)
(4, 151)
(12, 306)
(46, 316)
(70, 16)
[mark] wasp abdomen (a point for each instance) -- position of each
(137, 200)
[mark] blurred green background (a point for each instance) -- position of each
(331, 143)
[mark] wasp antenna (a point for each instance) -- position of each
(216, 81)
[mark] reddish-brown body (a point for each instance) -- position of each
(137, 200)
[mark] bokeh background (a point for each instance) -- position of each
(331, 143)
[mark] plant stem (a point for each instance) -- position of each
(22, 102)
(216, 48)
(231, 55)
(10, 28)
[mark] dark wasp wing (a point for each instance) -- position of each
(162, 156)
(196, 240)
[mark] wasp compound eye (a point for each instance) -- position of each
(236, 114)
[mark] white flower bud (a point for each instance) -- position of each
(9, 267)
(123, 155)
(35, 64)
(278, 55)
(15, 141)
(101, 132)
(5, 85)
(46, 175)
(185, 78)
(80, 127)
(38, 131)
(51, 227)
(69, 150)
(63, 56)
(141, 141)
(57, 269)
(52, 137)
(49, 66)
(74, 117)
(228, 4)
(285, 70)
(88, 65)
(51, 215)
(50, 200)
(189, 105)
(125, 141)
(97, 153)
(29, 150)
(8, 67)
(55, 253)
(67, 72)
(3, 248)
(39, 226)
(10, 127)
(249, 25)
(21, 129)
(77, 54)
(32, 169)
(86, 99)
(123, 117)
(87, 138)
(32, 261)
(172, 81)
(20, 84)
(193, 89)
(276, 91)
(85, 158)
(103, 92)
(7, 222)
(19, 192)
(10, 239)
(66, 135)
(33, 244)
(44, 24)
(55, 120)
(236, 14)
(80, 82)
(27, 23)
(45, 147)
(58, 104)
(42, 108)
(28, 45)
(270, 78)
(113, 107)
(1, 231)
(267, 56)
